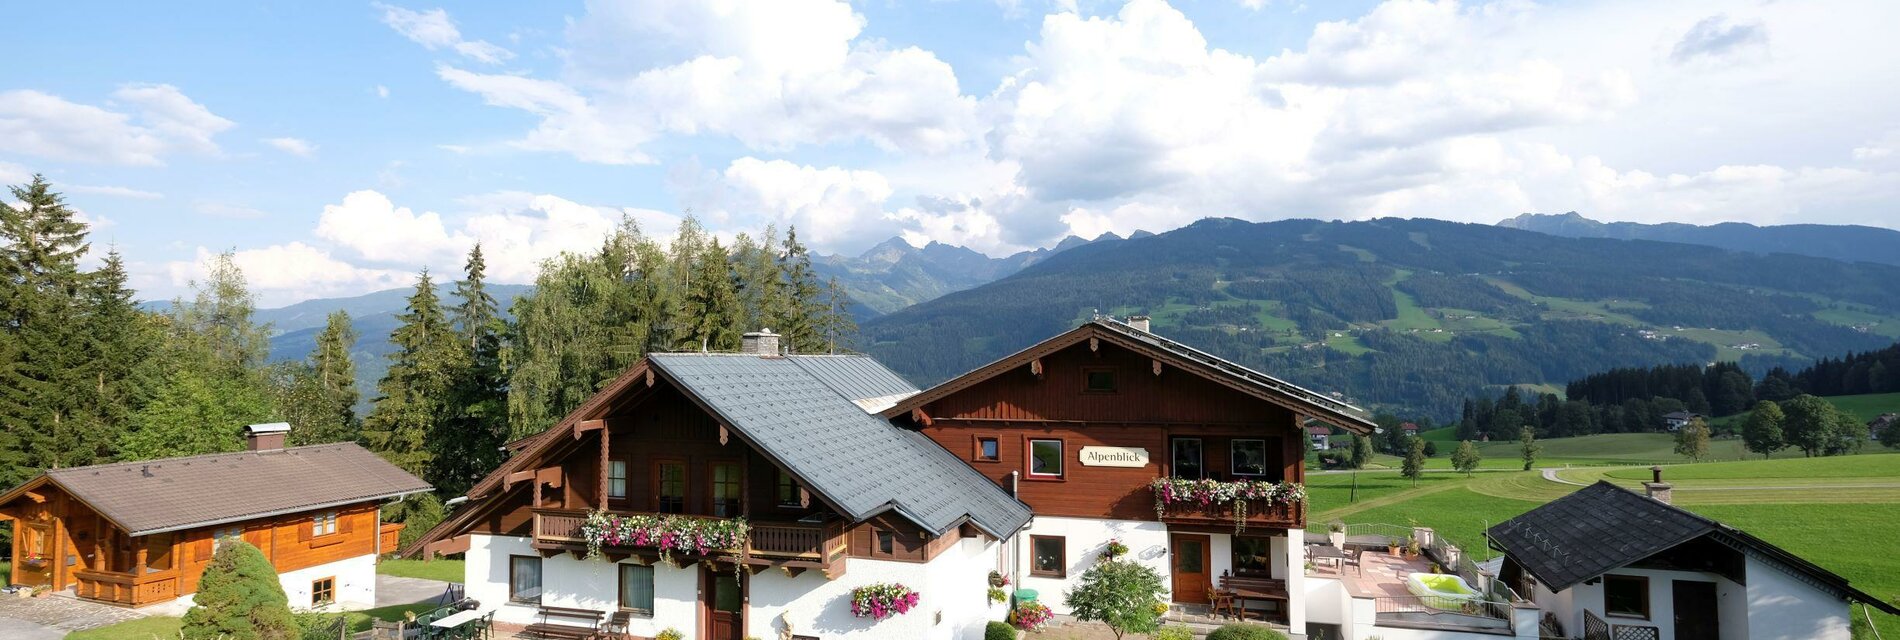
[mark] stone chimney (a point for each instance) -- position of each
(1656, 488)
(762, 342)
(1139, 322)
(266, 437)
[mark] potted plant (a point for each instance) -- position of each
(1392, 546)
(1114, 549)
(1411, 547)
(1336, 533)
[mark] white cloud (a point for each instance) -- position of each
(292, 146)
(772, 74)
(115, 191)
(382, 91)
(166, 121)
(434, 30)
(286, 273)
(1715, 38)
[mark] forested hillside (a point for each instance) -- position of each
(894, 275)
(1415, 315)
(1850, 243)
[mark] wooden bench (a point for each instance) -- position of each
(1245, 588)
(546, 629)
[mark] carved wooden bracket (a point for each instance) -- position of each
(1157, 366)
(804, 496)
(649, 377)
(922, 418)
(1095, 344)
(585, 426)
(791, 572)
(1035, 367)
(723, 435)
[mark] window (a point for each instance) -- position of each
(323, 592)
(725, 489)
(524, 579)
(1045, 458)
(324, 524)
(1099, 380)
(788, 494)
(158, 552)
(1187, 458)
(1626, 596)
(1047, 557)
(987, 450)
(670, 484)
(1252, 557)
(636, 589)
(885, 543)
(1250, 457)
(617, 479)
(225, 535)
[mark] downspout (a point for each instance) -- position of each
(1015, 539)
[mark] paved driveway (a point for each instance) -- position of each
(392, 590)
(54, 617)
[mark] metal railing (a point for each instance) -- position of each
(1594, 628)
(1473, 613)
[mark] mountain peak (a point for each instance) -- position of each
(889, 251)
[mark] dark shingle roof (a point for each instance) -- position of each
(169, 494)
(801, 410)
(1602, 527)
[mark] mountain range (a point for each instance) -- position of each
(1410, 315)
(1414, 315)
(1852, 243)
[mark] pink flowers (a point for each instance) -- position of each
(882, 600)
(669, 533)
(1030, 616)
(1208, 493)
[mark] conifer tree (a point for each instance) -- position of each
(467, 442)
(319, 396)
(214, 381)
(836, 324)
(412, 393)
(712, 303)
(755, 270)
(800, 305)
(239, 598)
(41, 385)
(1414, 465)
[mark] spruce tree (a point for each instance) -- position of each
(239, 598)
(1414, 465)
(467, 443)
(413, 392)
(836, 324)
(801, 307)
(43, 398)
(319, 395)
(712, 303)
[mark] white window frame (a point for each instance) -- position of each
(323, 524)
(617, 480)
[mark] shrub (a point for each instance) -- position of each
(998, 631)
(1120, 594)
(1176, 632)
(1238, 631)
(239, 598)
(670, 634)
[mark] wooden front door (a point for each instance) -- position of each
(722, 598)
(1696, 618)
(1188, 564)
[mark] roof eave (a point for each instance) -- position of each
(276, 512)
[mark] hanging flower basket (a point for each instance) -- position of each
(882, 600)
(1206, 493)
(1114, 549)
(671, 534)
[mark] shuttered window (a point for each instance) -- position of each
(323, 524)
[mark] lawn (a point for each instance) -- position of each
(1886, 467)
(444, 570)
(1866, 407)
(165, 628)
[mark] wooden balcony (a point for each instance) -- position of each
(1260, 513)
(794, 544)
(125, 589)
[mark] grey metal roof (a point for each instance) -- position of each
(169, 494)
(800, 411)
(1602, 527)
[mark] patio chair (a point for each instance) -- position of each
(617, 625)
(1352, 560)
(1218, 600)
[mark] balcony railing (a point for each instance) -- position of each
(1441, 612)
(788, 540)
(1240, 502)
(125, 588)
(1260, 512)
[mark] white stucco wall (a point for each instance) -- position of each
(1782, 607)
(1732, 610)
(1084, 540)
(955, 585)
(355, 583)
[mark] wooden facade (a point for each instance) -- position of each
(1098, 393)
(678, 459)
(60, 542)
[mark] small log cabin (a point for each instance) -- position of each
(139, 534)
(847, 476)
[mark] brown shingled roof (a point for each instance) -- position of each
(169, 494)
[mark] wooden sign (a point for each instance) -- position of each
(1114, 457)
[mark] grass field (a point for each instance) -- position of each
(444, 570)
(1600, 449)
(164, 627)
(1836, 512)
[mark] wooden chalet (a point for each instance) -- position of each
(140, 533)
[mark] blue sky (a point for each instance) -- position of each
(339, 147)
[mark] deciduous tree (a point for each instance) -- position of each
(1121, 594)
(1414, 466)
(1761, 432)
(1692, 440)
(1466, 458)
(1528, 447)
